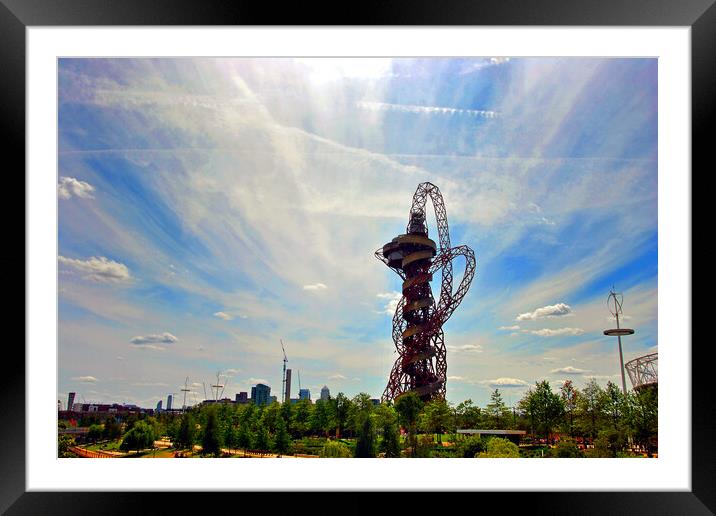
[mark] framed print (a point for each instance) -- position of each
(206, 205)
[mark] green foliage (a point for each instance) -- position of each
(467, 415)
(112, 429)
(340, 408)
(261, 437)
(365, 444)
(281, 440)
(408, 406)
(94, 432)
(335, 449)
(186, 432)
(211, 439)
(544, 407)
(642, 417)
(566, 448)
(569, 395)
(589, 408)
(436, 418)
(496, 411)
(64, 442)
(387, 423)
(139, 437)
(321, 417)
(498, 448)
(469, 447)
(301, 420)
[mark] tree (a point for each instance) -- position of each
(139, 437)
(408, 406)
(386, 421)
(281, 441)
(469, 447)
(496, 411)
(341, 407)
(643, 417)
(301, 421)
(545, 407)
(186, 432)
(566, 449)
(500, 448)
(436, 418)
(261, 437)
(112, 429)
(320, 418)
(212, 437)
(589, 406)
(94, 432)
(569, 397)
(365, 444)
(467, 415)
(612, 404)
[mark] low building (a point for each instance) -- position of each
(242, 397)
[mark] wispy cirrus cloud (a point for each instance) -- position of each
(85, 379)
(547, 332)
(224, 316)
(569, 370)
(315, 286)
(151, 341)
(426, 110)
(504, 382)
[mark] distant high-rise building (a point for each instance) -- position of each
(304, 394)
(287, 392)
(70, 401)
(169, 402)
(159, 406)
(272, 399)
(325, 393)
(260, 394)
(242, 397)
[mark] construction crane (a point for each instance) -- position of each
(218, 386)
(283, 381)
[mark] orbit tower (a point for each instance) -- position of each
(421, 366)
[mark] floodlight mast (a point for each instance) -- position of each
(185, 390)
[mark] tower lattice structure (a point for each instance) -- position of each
(421, 366)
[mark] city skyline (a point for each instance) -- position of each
(210, 207)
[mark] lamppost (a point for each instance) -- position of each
(615, 310)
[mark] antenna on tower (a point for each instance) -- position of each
(283, 381)
(185, 390)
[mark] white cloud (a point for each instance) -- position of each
(429, 110)
(70, 186)
(547, 332)
(393, 299)
(232, 372)
(557, 310)
(224, 316)
(254, 381)
(315, 286)
(466, 348)
(569, 370)
(505, 382)
(147, 340)
(98, 269)
(457, 378)
(337, 377)
(509, 328)
(85, 379)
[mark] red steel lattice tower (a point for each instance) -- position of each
(421, 366)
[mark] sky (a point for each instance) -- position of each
(210, 208)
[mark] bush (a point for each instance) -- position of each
(333, 449)
(425, 447)
(469, 447)
(500, 449)
(566, 449)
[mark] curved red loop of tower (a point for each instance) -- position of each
(421, 366)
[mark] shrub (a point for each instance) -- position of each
(333, 449)
(469, 447)
(566, 449)
(500, 448)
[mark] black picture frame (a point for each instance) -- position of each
(700, 15)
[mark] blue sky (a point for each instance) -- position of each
(210, 207)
